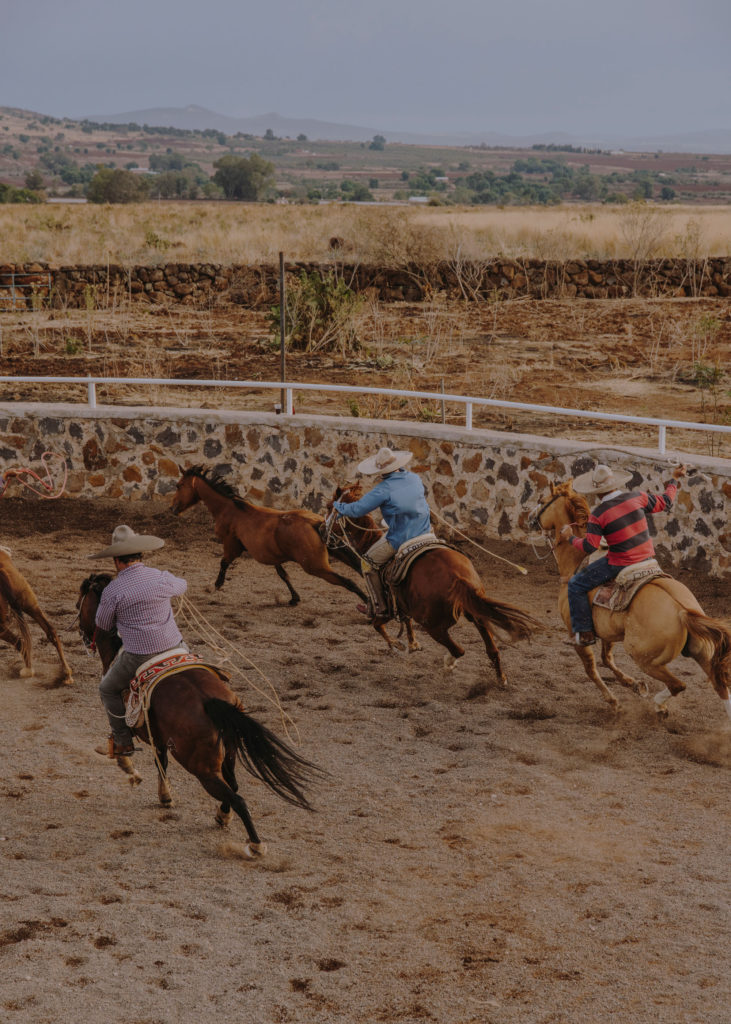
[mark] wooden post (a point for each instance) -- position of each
(282, 331)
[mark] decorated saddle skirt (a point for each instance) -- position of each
(396, 569)
(617, 594)
(151, 672)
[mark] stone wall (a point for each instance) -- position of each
(485, 483)
(257, 286)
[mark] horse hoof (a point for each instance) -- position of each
(396, 647)
(222, 820)
(449, 662)
(167, 803)
(414, 647)
(254, 850)
(25, 673)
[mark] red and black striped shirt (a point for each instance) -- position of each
(620, 519)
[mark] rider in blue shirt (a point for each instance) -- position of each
(401, 499)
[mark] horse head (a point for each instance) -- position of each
(185, 495)
(562, 507)
(348, 493)
(88, 600)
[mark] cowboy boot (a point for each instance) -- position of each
(377, 604)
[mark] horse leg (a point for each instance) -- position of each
(164, 793)
(324, 571)
(491, 647)
(282, 574)
(223, 814)
(232, 548)
(221, 791)
(23, 648)
(64, 676)
(619, 675)
(440, 633)
(414, 644)
(673, 685)
(587, 659)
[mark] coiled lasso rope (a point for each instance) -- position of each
(48, 487)
(198, 624)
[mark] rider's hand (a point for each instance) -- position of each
(678, 472)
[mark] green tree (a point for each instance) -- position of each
(34, 180)
(244, 178)
(115, 185)
(379, 142)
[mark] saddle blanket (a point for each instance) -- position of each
(408, 552)
(151, 672)
(617, 595)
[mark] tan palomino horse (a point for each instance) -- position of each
(663, 621)
(17, 600)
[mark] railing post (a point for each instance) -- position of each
(91, 391)
(288, 402)
(661, 434)
(468, 415)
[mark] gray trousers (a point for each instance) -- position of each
(116, 679)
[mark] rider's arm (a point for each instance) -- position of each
(106, 613)
(175, 584)
(370, 501)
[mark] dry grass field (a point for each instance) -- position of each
(383, 235)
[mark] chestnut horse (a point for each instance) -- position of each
(441, 585)
(16, 600)
(663, 621)
(269, 535)
(196, 716)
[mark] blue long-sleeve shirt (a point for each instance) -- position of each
(400, 497)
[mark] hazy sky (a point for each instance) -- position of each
(527, 66)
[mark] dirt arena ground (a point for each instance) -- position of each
(522, 856)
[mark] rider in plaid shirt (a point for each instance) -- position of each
(137, 602)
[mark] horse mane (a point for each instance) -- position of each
(96, 583)
(217, 482)
(576, 504)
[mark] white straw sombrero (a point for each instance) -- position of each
(600, 480)
(384, 461)
(126, 542)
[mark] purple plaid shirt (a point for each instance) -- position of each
(138, 603)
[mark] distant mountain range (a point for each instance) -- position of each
(198, 118)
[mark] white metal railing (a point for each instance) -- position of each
(289, 387)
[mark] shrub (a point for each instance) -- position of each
(320, 314)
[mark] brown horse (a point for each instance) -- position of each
(663, 621)
(196, 716)
(16, 600)
(441, 585)
(269, 535)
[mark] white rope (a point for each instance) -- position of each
(197, 622)
(492, 554)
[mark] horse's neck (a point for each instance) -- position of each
(107, 648)
(363, 533)
(210, 497)
(567, 558)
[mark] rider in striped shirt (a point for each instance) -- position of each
(620, 520)
(137, 603)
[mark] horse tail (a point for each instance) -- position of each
(16, 614)
(261, 753)
(473, 601)
(711, 637)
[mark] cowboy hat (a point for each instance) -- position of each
(384, 461)
(600, 480)
(126, 542)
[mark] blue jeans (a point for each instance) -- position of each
(579, 586)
